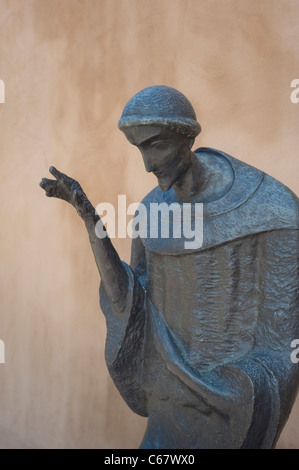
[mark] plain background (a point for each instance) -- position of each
(69, 67)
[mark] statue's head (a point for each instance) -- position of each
(161, 122)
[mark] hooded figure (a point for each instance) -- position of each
(202, 344)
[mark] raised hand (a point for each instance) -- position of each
(68, 189)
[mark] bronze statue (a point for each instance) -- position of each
(199, 339)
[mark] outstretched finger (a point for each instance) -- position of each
(47, 183)
(57, 174)
(50, 186)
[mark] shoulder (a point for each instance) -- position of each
(275, 205)
(263, 198)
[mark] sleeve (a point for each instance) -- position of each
(124, 349)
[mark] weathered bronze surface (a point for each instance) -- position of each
(199, 338)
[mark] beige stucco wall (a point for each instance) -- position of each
(69, 66)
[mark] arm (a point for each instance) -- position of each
(111, 269)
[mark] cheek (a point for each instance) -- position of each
(172, 160)
(181, 159)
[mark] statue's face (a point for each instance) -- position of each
(164, 152)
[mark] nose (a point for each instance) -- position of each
(149, 167)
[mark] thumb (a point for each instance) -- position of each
(77, 197)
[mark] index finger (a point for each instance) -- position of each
(56, 173)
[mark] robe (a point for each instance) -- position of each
(203, 345)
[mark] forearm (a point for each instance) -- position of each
(111, 269)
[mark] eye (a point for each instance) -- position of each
(161, 144)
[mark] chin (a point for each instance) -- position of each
(164, 185)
